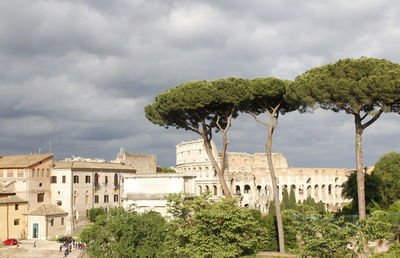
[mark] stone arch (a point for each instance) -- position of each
(309, 191)
(207, 188)
(231, 181)
(330, 190)
(247, 189)
(200, 189)
(215, 190)
(258, 189)
(301, 190)
(323, 189)
(336, 180)
(238, 189)
(337, 191)
(316, 191)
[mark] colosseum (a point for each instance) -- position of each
(249, 180)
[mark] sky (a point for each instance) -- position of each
(75, 75)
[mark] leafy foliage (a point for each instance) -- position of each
(164, 169)
(373, 196)
(126, 233)
(201, 227)
(94, 212)
(388, 169)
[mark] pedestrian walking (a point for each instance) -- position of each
(34, 244)
(61, 248)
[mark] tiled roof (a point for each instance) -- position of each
(81, 165)
(47, 209)
(22, 161)
(7, 187)
(12, 199)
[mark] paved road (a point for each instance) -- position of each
(44, 248)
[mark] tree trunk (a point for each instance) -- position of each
(221, 178)
(360, 169)
(268, 148)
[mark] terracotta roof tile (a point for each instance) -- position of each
(22, 161)
(47, 209)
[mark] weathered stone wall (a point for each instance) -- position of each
(143, 163)
(248, 177)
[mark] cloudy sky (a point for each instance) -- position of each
(79, 73)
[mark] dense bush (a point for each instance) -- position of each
(201, 227)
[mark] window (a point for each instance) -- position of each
(115, 197)
(74, 199)
(40, 197)
(16, 222)
(76, 179)
(62, 221)
(87, 199)
(48, 173)
(106, 179)
(53, 179)
(42, 172)
(64, 179)
(87, 179)
(115, 179)
(105, 198)
(16, 207)
(96, 199)
(52, 222)
(38, 173)
(96, 178)
(33, 172)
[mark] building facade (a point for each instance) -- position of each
(149, 191)
(249, 179)
(78, 186)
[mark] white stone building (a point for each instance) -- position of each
(249, 180)
(149, 191)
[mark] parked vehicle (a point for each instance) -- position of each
(11, 241)
(65, 239)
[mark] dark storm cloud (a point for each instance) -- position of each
(79, 73)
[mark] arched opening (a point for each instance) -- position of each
(246, 189)
(207, 188)
(309, 191)
(200, 189)
(323, 189)
(316, 191)
(301, 190)
(238, 189)
(330, 190)
(258, 189)
(215, 190)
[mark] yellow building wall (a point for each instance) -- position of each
(12, 231)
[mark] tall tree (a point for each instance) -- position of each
(388, 169)
(363, 88)
(267, 95)
(201, 107)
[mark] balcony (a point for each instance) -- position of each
(96, 186)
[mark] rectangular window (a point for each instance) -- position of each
(16, 207)
(10, 173)
(38, 173)
(42, 172)
(40, 197)
(64, 179)
(16, 222)
(20, 173)
(53, 179)
(115, 197)
(52, 222)
(33, 172)
(87, 179)
(48, 173)
(106, 179)
(76, 179)
(62, 221)
(96, 199)
(105, 198)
